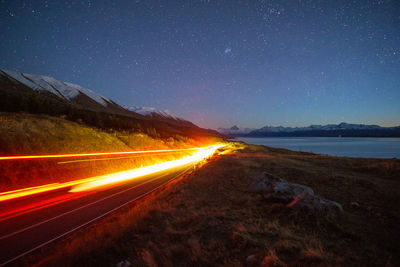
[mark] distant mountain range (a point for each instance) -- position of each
(330, 130)
(235, 130)
(47, 95)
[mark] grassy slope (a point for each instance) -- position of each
(40, 134)
(209, 217)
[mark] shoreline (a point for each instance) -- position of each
(353, 147)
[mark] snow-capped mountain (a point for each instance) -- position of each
(153, 112)
(65, 90)
(328, 127)
(235, 130)
(341, 129)
(84, 97)
(78, 94)
(20, 92)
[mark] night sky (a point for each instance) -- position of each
(218, 63)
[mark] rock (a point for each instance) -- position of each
(329, 205)
(314, 204)
(296, 196)
(124, 263)
(251, 258)
(264, 183)
(286, 192)
(278, 189)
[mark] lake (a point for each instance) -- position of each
(362, 147)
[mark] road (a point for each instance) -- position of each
(29, 223)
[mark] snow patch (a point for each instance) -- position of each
(98, 98)
(62, 89)
(19, 77)
(149, 111)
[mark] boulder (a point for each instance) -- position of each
(296, 196)
(278, 189)
(251, 259)
(124, 263)
(315, 204)
(286, 192)
(264, 183)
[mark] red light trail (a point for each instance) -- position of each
(113, 178)
(95, 154)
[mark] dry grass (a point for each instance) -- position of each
(210, 218)
(22, 134)
(40, 134)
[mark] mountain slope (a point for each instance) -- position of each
(68, 92)
(45, 95)
(153, 112)
(164, 115)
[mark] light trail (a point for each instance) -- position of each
(95, 154)
(102, 159)
(25, 189)
(98, 181)
(131, 174)
(40, 189)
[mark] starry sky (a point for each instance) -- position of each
(218, 63)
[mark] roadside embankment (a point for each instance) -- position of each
(27, 134)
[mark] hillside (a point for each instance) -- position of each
(24, 134)
(45, 95)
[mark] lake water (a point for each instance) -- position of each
(346, 146)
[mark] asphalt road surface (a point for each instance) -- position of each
(29, 223)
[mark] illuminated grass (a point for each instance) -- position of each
(39, 134)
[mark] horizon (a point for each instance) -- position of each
(299, 126)
(275, 63)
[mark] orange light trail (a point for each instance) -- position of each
(102, 159)
(98, 181)
(25, 189)
(40, 189)
(131, 174)
(95, 154)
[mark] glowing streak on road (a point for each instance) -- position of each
(95, 154)
(40, 189)
(25, 189)
(93, 182)
(116, 158)
(131, 174)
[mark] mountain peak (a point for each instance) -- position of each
(153, 112)
(235, 130)
(64, 90)
(325, 130)
(312, 130)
